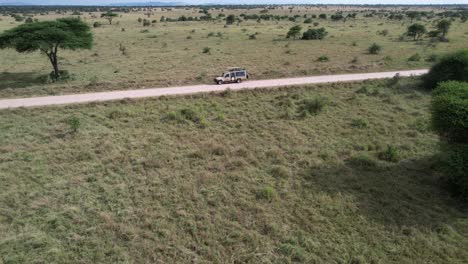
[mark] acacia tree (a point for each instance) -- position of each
(294, 32)
(47, 37)
(109, 16)
(443, 26)
(416, 31)
(230, 19)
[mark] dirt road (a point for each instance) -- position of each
(183, 90)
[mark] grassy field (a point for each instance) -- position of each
(320, 174)
(171, 53)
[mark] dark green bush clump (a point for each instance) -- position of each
(374, 48)
(390, 154)
(319, 33)
(450, 120)
(452, 67)
(450, 111)
(454, 164)
(312, 106)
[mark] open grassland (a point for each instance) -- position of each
(128, 55)
(319, 174)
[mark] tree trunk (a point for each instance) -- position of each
(54, 61)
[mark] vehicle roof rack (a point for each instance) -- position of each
(235, 69)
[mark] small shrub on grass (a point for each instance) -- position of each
(374, 48)
(74, 123)
(415, 57)
(390, 154)
(206, 50)
(312, 106)
(97, 24)
(266, 193)
(253, 36)
(359, 123)
(323, 58)
(452, 67)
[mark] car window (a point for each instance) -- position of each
(226, 75)
(240, 74)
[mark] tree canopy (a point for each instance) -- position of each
(109, 16)
(416, 31)
(443, 26)
(47, 37)
(294, 32)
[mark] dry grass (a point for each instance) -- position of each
(172, 53)
(231, 178)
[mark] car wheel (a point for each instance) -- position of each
(220, 82)
(238, 80)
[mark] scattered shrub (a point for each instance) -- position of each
(390, 154)
(319, 33)
(266, 193)
(415, 57)
(312, 106)
(453, 66)
(359, 123)
(323, 58)
(294, 32)
(206, 50)
(374, 48)
(74, 123)
(97, 24)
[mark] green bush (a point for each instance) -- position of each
(312, 106)
(452, 67)
(374, 48)
(454, 164)
(415, 57)
(450, 111)
(390, 154)
(318, 33)
(74, 123)
(359, 123)
(323, 58)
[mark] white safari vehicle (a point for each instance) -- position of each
(233, 74)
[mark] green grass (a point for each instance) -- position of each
(142, 182)
(172, 53)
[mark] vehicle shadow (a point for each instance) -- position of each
(406, 194)
(19, 79)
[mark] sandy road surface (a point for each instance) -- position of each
(184, 90)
